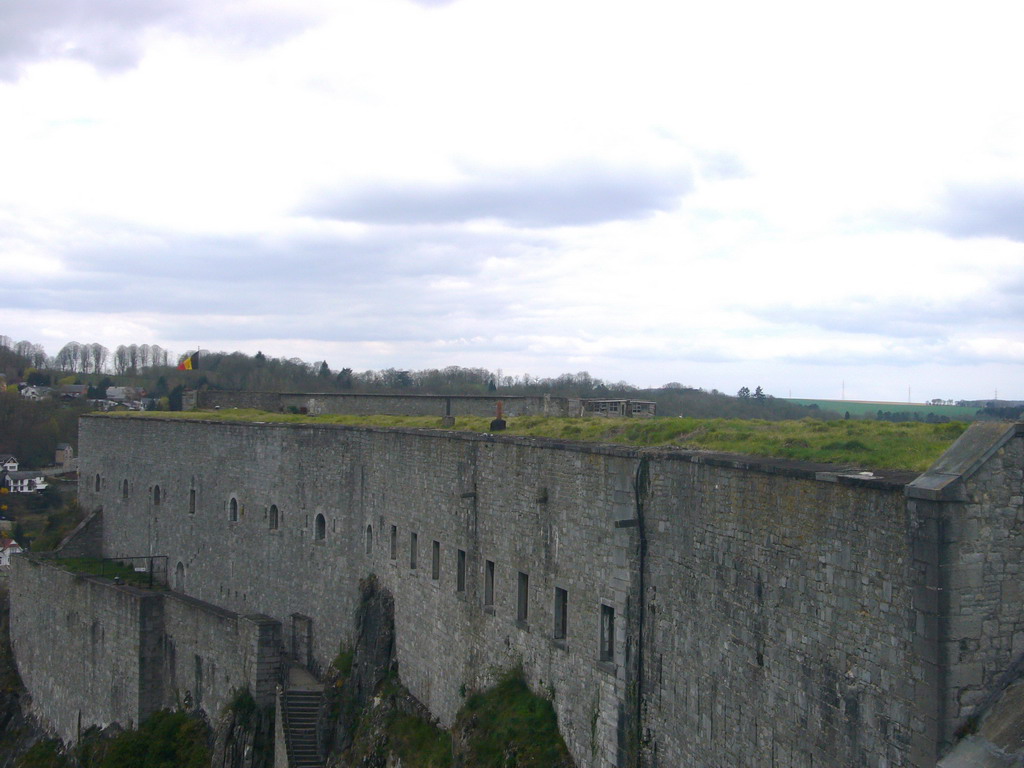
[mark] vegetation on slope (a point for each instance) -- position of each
(506, 726)
(510, 726)
(165, 740)
(42, 519)
(873, 444)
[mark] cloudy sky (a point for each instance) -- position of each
(813, 197)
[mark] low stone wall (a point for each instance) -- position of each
(211, 653)
(101, 652)
(83, 647)
(391, 405)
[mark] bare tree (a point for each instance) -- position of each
(100, 355)
(67, 359)
(24, 348)
(84, 358)
(158, 355)
(121, 360)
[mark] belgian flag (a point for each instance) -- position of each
(190, 363)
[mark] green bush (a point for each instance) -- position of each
(510, 719)
(166, 740)
(43, 754)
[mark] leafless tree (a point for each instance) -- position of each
(99, 356)
(67, 359)
(121, 363)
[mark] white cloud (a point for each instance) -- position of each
(722, 194)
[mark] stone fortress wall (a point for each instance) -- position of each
(680, 608)
(363, 404)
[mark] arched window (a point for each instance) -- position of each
(179, 576)
(97, 483)
(156, 494)
(274, 517)
(321, 528)
(369, 539)
(233, 510)
(124, 489)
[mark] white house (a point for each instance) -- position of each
(24, 482)
(8, 463)
(8, 547)
(36, 393)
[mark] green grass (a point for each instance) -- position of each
(866, 408)
(418, 743)
(165, 740)
(863, 443)
(43, 754)
(509, 719)
(343, 661)
(95, 566)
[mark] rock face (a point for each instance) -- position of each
(243, 737)
(373, 662)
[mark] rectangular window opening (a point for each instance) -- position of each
(394, 542)
(523, 601)
(460, 571)
(489, 583)
(561, 613)
(412, 551)
(607, 633)
(192, 501)
(435, 561)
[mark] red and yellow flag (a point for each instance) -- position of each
(190, 363)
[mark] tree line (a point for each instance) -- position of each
(154, 369)
(75, 357)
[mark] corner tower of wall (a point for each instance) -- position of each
(779, 616)
(973, 501)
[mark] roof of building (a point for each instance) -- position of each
(24, 474)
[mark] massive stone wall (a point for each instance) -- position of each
(681, 608)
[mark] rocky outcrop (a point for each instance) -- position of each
(351, 690)
(243, 736)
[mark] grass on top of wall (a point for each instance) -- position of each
(95, 566)
(852, 442)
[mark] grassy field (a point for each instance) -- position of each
(864, 408)
(860, 443)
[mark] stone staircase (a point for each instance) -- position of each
(300, 710)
